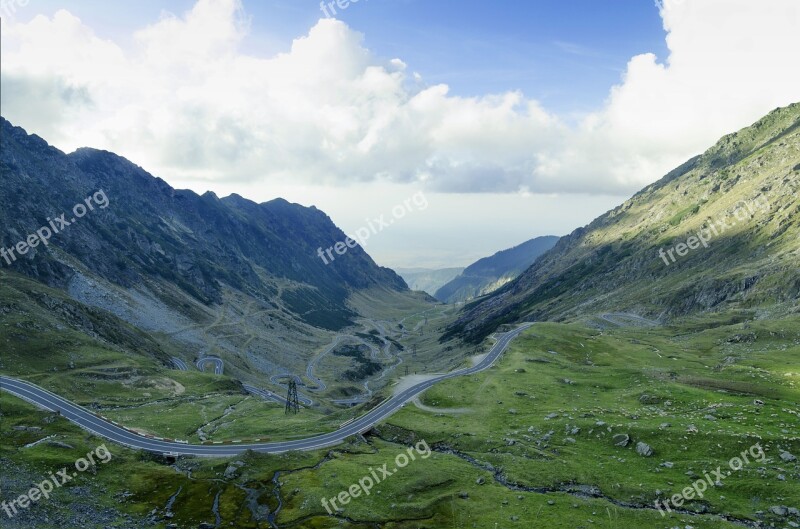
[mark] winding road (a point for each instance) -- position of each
(268, 395)
(303, 399)
(337, 340)
(321, 386)
(179, 364)
(265, 394)
(114, 432)
(374, 351)
(219, 365)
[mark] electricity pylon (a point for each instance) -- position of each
(292, 403)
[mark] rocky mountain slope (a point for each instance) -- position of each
(718, 233)
(490, 273)
(206, 274)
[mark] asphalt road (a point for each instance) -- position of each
(219, 365)
(268, 395)
(119, 434)
(264, 394)
(179, 364)
(302, 398)
(314, 361)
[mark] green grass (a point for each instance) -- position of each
(633, 380)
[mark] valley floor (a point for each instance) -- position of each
(578, 425)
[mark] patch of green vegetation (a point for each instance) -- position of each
(352, 351)
(533, 446)
(678, 217)
(364, 368)
(656, 385)
(314, 309)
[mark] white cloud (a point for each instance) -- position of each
(187, 103)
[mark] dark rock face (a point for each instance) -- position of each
(149, 231)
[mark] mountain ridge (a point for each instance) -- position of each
(244, 235)
(191, 274)
(487, 274)
(613, 263)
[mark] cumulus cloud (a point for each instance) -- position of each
(185, 101)
(730, 62)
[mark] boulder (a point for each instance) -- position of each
(644, 449)
(779, 510)
(621, 439)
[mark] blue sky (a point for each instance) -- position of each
(564, 54)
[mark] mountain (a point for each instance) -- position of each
(719, 233)
(427, 279)
(490, 273)
(176, 263)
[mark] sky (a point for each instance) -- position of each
(513, 119)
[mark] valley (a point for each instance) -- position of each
(541, 448)
(573, 382)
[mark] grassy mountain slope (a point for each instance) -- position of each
(741, 196)
(490, 273)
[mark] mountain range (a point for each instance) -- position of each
(719, 233)
(490, 273)
(112, 282)
(179, 265)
